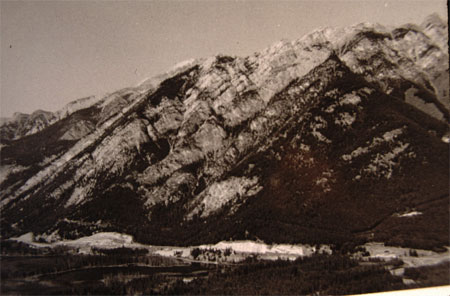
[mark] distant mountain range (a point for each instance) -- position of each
(332, 138)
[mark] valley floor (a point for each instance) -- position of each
(113, 263)
(236, 251)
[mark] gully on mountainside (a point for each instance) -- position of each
(314, 130)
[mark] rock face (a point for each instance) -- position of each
(25, 124)
(318, 140)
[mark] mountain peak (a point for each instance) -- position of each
(313, 140)
(433, 19)
(437, 30)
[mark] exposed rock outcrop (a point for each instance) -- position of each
(308, 137)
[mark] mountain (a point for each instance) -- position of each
(25, 124)
(330, 138)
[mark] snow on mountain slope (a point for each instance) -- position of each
(309, 140)
(25, 124)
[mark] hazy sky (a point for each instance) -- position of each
(53, 52)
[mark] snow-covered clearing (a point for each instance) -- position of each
(266, 251)
(239, 250)
(26, 238)
(423, 258)
(101, 240)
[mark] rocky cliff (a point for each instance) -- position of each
(324, 139)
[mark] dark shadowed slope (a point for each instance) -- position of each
(309, 141)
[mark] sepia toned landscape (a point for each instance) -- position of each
(314, 166)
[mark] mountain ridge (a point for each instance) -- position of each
(433, 25)
(274, 136)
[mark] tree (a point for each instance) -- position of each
(195, 253)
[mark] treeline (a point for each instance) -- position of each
(16, 248)
(427, 276)
(211, 254)
(324, 274)
(38, 262)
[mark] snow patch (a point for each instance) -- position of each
(355, 153)
(345, 119)
(319, 123)
(243, 249)
(350, 99)
(258, 248)
(100, 240)
(410, 214)
(325, 180)
(104, 239)
(184, 64)
(389, 136)
(330, 108)
(383, 164)
(305, 147)
(319, 136)
(174, 251)
(423, 258)
(347, 99)
(321, 181)
(26, 238)
(84, 245)
(76, 105)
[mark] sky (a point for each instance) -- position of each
(53, 52)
